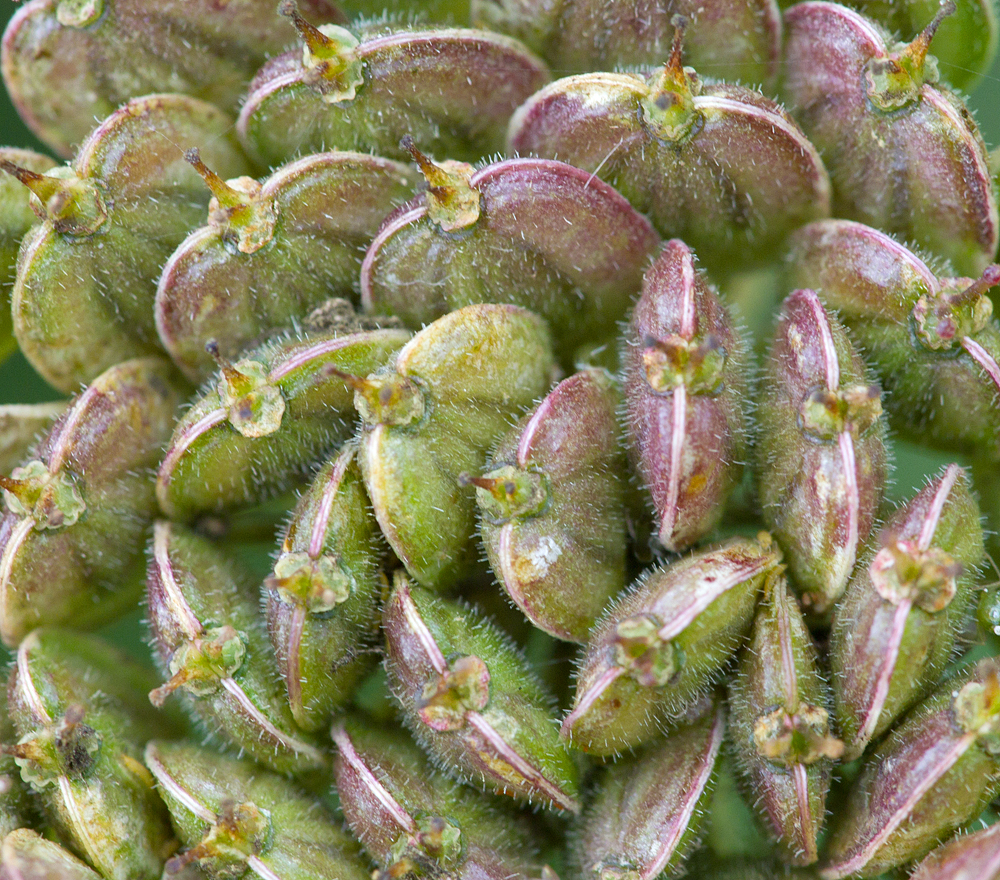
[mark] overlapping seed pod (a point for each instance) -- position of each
(685, 385)
(272, 251)
(266, 418)
(235, 819)
(16, 807)
(903, 152)
(646, 813)
(78, 709)
(733, 40)
(821, 456)
(86, 274)
(657, 649)
(21, 425)
(322, 594)
(76, 514)
(577, 247)
(210, 641)
(552, 507)
(452, 90)
(431, 414)
(970, 857)
(898, 622)
(472, 702)
(932, 340)
(718, 165)
(780, 724)
(26, 855)
(69, 62)
(410, 818)
(933, 774)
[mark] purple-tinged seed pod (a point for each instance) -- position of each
(472, 701)
(577, 247)
(26, 855)
(408, 815)
(821, 456)
(685, 385)
(552, 507)
(431, 415)
(237, 820)
(646, 812)
(658, 648)
(734, 39)
(780, 724)
(266, 419)
(321, 598)
(75, 516)
(69, 62)
(897, 625)
(208, 637)
(904, 154)
(967, 857)
(932, 775)
(452, 90)
(272, 251)
(933, 341)
(86, 273)
(718, 165)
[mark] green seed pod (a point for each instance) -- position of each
(780, 724)
(932, 775)
(897, 625)
(430, 417)
(268, 416)
(272, 251)
(932, 341)
(411, 818)
(646, 813)
(86, 274)
(21, 424)
(72, 533)
(209, 639)
(686, 395)
(903, 152)
(322, 594)
(17, 809)
(69, 62)
(452, 90)
(821, 452)
(16, 218)
(969, 857)
(472, 701)
(735, 39)
(79, 708)
(237, 820)
(720, 166)
(964, 44)
(26, 855)
(552, 507)
(577, 248)
(657, 650)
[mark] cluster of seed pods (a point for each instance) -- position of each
(492, 351)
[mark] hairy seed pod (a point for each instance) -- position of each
(898, 624)
(321, 598)
(272, 251)
(21, 426)
(658, 648)
(452, 90)
(266, 418)
(903, 152)
(210, 642)
(552, 507)
(76, 514)
(471, 700)
(26, 855)
(237, 820)
(17, 809)
(80, 711)
(821, 451)
(968, 857)
(685, 382)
